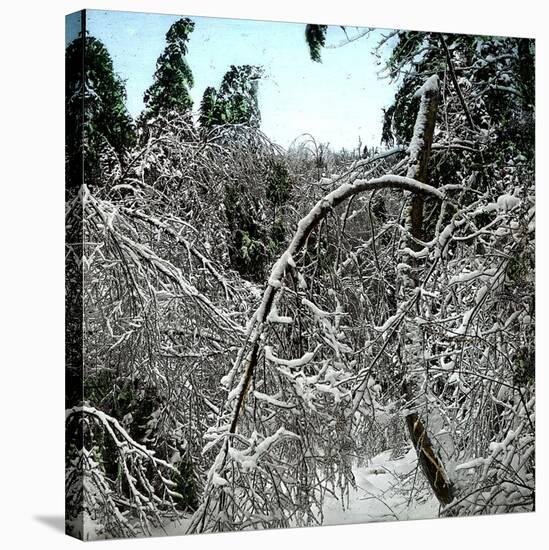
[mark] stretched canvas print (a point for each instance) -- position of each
(300, 275)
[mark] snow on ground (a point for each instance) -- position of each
(377, 496)
(172, 528)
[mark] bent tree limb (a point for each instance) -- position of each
(419, 155)
(237, 397)
(304, 228)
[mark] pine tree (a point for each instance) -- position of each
(207, 107)
(315, 35)
(236, 101)
(173, 77)
(96, 116)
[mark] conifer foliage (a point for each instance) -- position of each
(315, 36)
(173, 77)
(97, 121)
(236, 102)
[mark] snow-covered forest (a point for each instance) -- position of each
(262, 337)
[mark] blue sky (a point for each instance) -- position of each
(336, 101)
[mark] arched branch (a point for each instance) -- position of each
(304, 229)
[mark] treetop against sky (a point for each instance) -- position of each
(336, 101)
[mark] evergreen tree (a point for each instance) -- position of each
(96, 116)
(173, 76)
(491, 76)
(236, 102)
(252, 242)
(207, 107)
(315, 35)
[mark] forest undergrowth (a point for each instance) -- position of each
(276, 338)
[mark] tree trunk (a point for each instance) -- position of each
(428, 459)
(418, 169)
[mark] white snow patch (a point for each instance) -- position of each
(507, 202)
(292, 363)
(274, 317)
(430, 85)
(378, 495)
